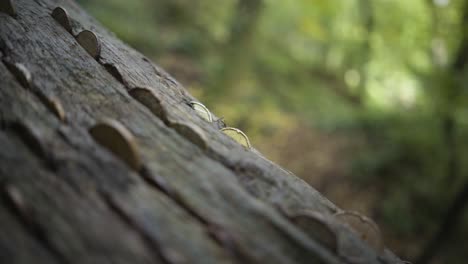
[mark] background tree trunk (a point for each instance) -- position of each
(199, 196)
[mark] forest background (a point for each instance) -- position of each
(365, 100)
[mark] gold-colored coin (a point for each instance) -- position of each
(201, 110)
(89, 41)
(60, 15)
(112, 135)
(367, 229)
(237, 135)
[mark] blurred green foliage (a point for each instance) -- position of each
(361, 98)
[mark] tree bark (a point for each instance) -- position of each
(199, 197)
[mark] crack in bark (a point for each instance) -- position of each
(220, 237)
(19, 210)
(127, 219)
(151, 101)
(25, 79)
(18, 207)
(148, 99)
(32, 142)
(216, 232)
(29, 138)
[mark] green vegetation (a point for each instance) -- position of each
(366, 100)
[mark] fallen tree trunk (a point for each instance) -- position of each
(156, 183)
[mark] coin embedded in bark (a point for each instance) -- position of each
(6, 6)
(112, 135)
(55, 106)
(15, 197)
(20, 72)
(365, 227)
(315, 225)
(201, 110)
(89, 41)
(115, 71)
(192, 133)
(60, 14)
(148, 98)
(29, 134)
(237, 135)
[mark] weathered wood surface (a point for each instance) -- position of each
(199, 198)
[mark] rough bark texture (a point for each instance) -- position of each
(199, 198)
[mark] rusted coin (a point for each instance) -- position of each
(89, 41)
(112, 135)
(60, 15)
(367, 229)
(237, 135)
(201, 110)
